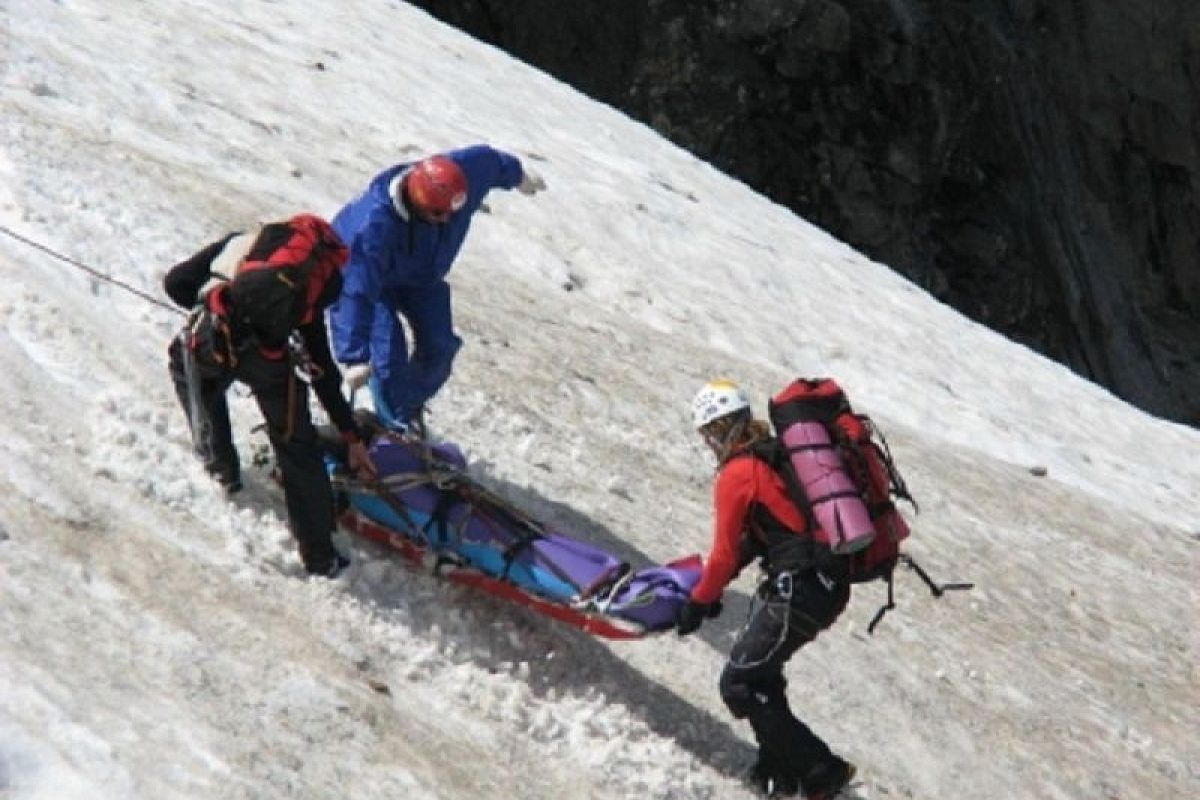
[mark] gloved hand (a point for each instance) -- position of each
(356, 376)
(360, 460)
(531, 183)
(691, 614)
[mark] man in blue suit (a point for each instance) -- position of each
(404, 233)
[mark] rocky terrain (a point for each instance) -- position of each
(1033, 164)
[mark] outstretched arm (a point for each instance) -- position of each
(733, 495)
(328, 388)
(328, 385)
(488, 168)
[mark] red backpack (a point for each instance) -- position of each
(289, 274)
(854, 445)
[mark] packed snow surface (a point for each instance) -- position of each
(158, 641)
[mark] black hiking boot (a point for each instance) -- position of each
(227, 478)
(767, 778)
(828, 780)
(759, 774)
(784, 785)
(339, 565)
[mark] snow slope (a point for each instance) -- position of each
(158, 641)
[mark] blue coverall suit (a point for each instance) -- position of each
(398, 265)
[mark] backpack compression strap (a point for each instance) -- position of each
(936, 589)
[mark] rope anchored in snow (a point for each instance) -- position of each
(89, 270)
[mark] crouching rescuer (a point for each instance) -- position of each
(801, 595)
(257, 300)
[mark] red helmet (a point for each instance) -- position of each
(437, 187)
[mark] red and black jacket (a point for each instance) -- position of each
(753, 518)
(184, 282)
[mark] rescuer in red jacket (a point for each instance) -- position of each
(802, 593)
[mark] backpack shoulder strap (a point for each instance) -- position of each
(769, 451)
(773, 453)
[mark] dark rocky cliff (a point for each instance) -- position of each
(1034, 163)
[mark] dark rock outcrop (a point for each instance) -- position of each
(1034, 163)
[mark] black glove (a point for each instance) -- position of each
(691, 614)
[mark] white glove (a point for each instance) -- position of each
(356, 376)
(531, 183)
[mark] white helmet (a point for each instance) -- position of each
(717, 399)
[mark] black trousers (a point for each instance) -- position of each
(283, 400)
(792, 611)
